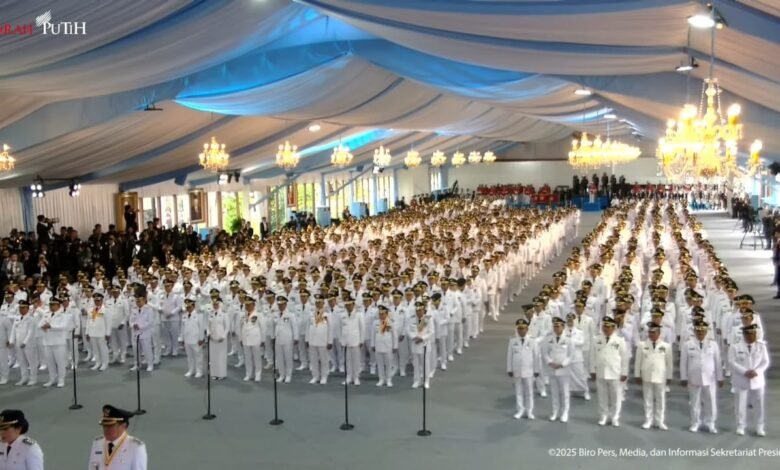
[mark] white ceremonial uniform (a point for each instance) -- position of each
(218, 331)
(558, 350)
(97, 330)
(419, 333)
(141, 324)
(742, 358)
(609, 361)
(352, 330)
(129, 454)
(117, 311)
(384, 341)
(285, 335)
(523, 361)
(653, 364)
(578, 372)
(319, 336)
(6, 322)
(22, 454)
(171, 306)
(22, 337)
(55, 342)
(700, 366)
(193, 335)
(252, 337)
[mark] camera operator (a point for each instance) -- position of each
(43, 229)
(746, 216)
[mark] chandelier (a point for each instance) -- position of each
(412, 159)
(702, 143)
(7, 162)
(382, 157)
(475, 157)
(438, 158)
(587, 154)
(214, 158)
(489, 157)
(341, 156)
(287, 157)
(458, 159)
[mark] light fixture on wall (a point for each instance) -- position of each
(214, 157)
(74, 189)
(7, 162)
(37, 188)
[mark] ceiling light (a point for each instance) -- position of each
(701, 21)
(610, 116)
(314, 127)
(687, 67)
(582, 92)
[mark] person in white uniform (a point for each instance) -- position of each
(285, 334)
(653, 370)
(218, 331)
(578, 373)
(55, 327)
(252, 338)
(193, 336)
(701, 371)
(115, 449)
(141, 324)
(748, 361)
(352, 330)
(419, 331)
(522, 365)
(384, 342)
(319, 339)
(609, 368)
(557, 354)
(18, 451)
(23, 339)
(98, 333)
(7, 311)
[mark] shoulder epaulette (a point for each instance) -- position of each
(137, 441)
(28, 441)
(99, 438)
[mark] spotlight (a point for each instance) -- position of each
(582, 92)
(687, 67)
(37, 188)
(610, 116)
(377, 170)
(223, 178)
(236, 175)
(314, 127)
(702, 20)
(74, 189)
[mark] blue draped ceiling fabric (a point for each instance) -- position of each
(433, 74)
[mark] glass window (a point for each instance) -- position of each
(435, 179)
(168, 218)
(183, 208)
(213, 211)
(149, 205)
(277, 208)
(254, 211)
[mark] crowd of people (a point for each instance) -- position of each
(373, 294)
(645, 289)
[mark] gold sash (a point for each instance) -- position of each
(108, 458)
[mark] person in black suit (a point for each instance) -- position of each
(131, 219)
(265, 229)
(42, 229)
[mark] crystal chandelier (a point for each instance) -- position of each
(214, 157)
(382, 157)
(703, 143)
(458, 159)
(438, 158)
(489, 157)
(587, 154)
(7, 162)
(475, 157)
(341, 156)
(412, 159)
(288, 157)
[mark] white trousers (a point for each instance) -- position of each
(384, 366)
(654, 395)
(578, 377)
(524, 394)
(303, 355)
(146, 350)
(5, 367)
(417, 364)
(455, 337)
(472, 323)
(371, 355)
(253, 362)
(481, 315)
(610, 394)
(337, 355)
(268, 353)
(99, 350)
(28, 362)
(170, 337)
(442, 349)
(493, 301)
(284, 360)
(352, 361)
(119, 343)
(194, 358)
(697, 395)
(57, 362)
(319, 362)
(559, 386)
(157, 342)
(756, 398)
(403, 355)
(218, 358)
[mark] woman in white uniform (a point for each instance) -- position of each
(219, 327)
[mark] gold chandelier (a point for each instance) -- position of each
(489, 157)
(704, 144)
(288, 157)
(341, 156)
(475, 157)
(7, 162)
(438, 158)
(458, 159)
(214, 158)
(412, 159)
(382, 157)
(587, 154)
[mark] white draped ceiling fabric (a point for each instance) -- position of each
(428, 74)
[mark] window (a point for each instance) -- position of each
(183, 208)
(306, 197)
(277, 207)
(149, 205)
(254, 210)
(168, 218)
(435, 179)
(213, 210)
